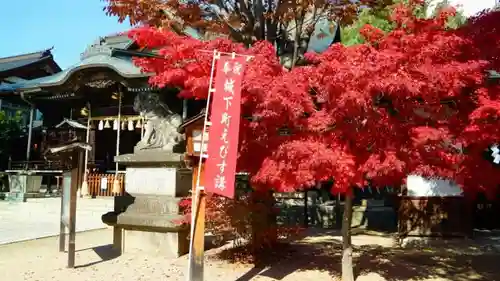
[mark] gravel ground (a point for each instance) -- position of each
(39, 217)
(40, 260)
(315, 258)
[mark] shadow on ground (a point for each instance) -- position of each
(108, 253)
(105, 253)
(457, 260)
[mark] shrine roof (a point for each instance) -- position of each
(200, 117)
(16, 70)
(7, 88)
(192, 120)
(24, 60)
(105, 53)
(70, 123)
(123, 66)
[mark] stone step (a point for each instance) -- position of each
(149, 222)
(148, 204)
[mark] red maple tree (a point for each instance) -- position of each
(243, 21)
(291, 26)
(416, 100)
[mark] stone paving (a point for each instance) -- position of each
(38, 218)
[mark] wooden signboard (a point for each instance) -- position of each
(65, 198)
(68, 208)
(74, 152)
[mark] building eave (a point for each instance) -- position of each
(200, 116)
(28, 60)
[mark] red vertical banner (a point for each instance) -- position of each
(222, 151)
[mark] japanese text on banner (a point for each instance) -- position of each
(220, 167)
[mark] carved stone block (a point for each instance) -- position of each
(160, 181)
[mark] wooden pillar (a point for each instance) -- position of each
(68, 213)
(76, 160)
(85, 185)
(30, 132)
(116, 185)
(62, 224)
(306, 211)
(92, 143)
(196, 264)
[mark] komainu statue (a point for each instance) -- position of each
(160, 127)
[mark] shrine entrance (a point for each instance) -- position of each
(97, 94)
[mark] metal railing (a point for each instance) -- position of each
(48, 165)
(38, 165)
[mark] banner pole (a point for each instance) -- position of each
(197, 232)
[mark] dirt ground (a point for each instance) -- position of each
(317, 257)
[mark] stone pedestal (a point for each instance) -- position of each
(22, 185)
(147, 217)
(170, 181)
(169, 245)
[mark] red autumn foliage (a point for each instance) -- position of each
(243, 21)
(240, 218)
(415, 100)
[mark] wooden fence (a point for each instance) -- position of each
(102, 184)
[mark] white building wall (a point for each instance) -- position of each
(419, 186)
(468, 7)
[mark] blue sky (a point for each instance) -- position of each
(67, 25)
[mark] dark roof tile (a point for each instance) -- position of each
(13, 62)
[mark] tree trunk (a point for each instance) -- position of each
(338, 213)
(264, 235)
(347, 268)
